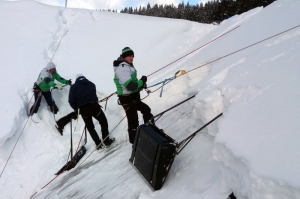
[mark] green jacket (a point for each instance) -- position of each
(126, 77)
(46, 79)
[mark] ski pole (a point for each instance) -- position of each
(71, 138)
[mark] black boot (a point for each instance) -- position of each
(60, 130)
(131, 133)
(100, 146)
(109, 141)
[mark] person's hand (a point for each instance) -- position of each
(57, 87)
(69, 82)
(144, 79)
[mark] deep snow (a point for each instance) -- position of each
(252, 150)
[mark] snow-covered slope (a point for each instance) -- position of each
(251, 150)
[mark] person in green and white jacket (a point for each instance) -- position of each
(43, 84)
(128, 91)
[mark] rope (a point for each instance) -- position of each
(169, 80)
(196, 49)
(83, 160)
(40, 94)
(226, 56)
(163, 82)
(53, 102)
(105, 99)
(58, 45)
(101, 142)
(245, 48)
(29, 103)
(14, 147)
(62, 170)
(177, 74)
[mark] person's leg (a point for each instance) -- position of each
(100, 116)
(86, 113)
(36, 105)
(48, 98)
(132, 117)
(144, 108)
(62, 122)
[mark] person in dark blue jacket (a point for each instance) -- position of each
(83, 96)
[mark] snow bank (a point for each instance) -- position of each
(256, 140)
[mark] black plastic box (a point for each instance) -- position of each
(152, 155)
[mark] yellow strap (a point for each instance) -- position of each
(78, 115)
(180, 72)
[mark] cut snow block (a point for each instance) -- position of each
(152, 155)
(80, 153)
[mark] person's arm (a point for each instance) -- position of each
(59, 78)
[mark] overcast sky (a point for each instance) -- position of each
(113, 4)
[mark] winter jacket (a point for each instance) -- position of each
(46, 79)
(126, 77)
(82, 92)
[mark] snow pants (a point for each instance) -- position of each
(89, 111)
(62, 122)
(131, 104)
(48, 98)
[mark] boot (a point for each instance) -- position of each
(100, 146)
(131, 133)
(60, 130)
(109, 141)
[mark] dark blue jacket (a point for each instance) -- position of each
(82, 92)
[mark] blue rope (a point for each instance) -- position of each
(163, 83)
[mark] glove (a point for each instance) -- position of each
(69, 82)
(144, 79)
(57, 87)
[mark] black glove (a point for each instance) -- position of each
(144, 79)
(69, 82)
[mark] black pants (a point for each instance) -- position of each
(48, 99)
(131, 104)
(94, 110)
(62, 122)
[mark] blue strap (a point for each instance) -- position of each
(162, 82)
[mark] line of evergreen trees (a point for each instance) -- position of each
(212, 11)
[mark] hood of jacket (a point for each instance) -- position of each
(50, 65)
(82, 80)
(121, 60)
